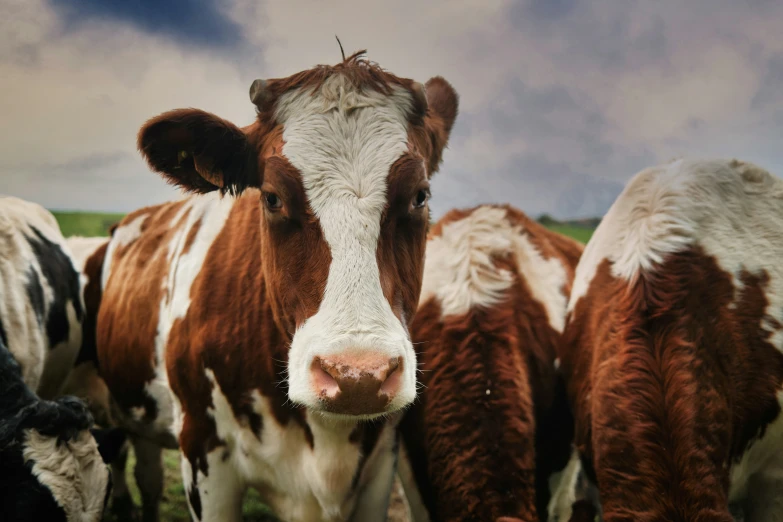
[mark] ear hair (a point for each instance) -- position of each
(199, 151)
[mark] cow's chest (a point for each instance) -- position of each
(302, 476)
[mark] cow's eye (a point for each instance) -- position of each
(421, 198)
(273, 202)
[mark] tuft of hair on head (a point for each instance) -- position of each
(342, 51)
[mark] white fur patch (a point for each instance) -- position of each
(73, 471)
(82, 248)
(460, 271)
(209, 212)
(123, 236)
(343, 142)
(297, 481)
(732, 209)
(27, 338)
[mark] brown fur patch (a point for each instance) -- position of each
(93, 269)
(403, 240)
(128, 315)
(678, 381)
(230, 328)
(479, 455)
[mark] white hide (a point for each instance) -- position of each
(460, 271)
(300, 483)
(344, 142)
(44, 367)
(73, 471)
(82, 248)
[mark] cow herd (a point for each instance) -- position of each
(296, 325)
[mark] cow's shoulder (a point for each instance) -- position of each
(475, 255)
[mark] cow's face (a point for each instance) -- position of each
(342, 156)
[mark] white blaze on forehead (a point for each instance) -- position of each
(344, 142)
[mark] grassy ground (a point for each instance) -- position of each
(174, 507)
(97, 224)
(581, 234)
(86, 223)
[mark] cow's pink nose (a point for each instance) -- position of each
(358, 384)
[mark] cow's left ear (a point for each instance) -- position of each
(442, 108)
(200, 152)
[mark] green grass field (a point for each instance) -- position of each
(581, 234)
(174, 507)
(86, 223)
(97, 224)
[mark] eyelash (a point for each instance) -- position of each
(425, 195)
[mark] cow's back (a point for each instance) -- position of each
(672, 347)
(41, 309)
(491, 424)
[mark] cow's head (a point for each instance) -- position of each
(342, 156)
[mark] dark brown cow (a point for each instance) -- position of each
(673, 347)
(266, 334)
(492, 424)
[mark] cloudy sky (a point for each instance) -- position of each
(561, 100)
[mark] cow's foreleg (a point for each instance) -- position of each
(373, 501)
(121, 504)
(149, 476)
(217, 495)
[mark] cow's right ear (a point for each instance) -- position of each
(200, 152)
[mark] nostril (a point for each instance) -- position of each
(392, 381)
(323, 380)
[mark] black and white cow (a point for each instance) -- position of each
(52, 465)
(41, 307)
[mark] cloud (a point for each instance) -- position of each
(203, 23)
(561, 100)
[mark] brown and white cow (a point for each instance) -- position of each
(673, 347)
(267, 334)
(492, 424)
